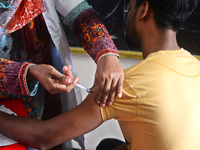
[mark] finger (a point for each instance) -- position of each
(61, 77)
(59, 87)
(113, 91)
(120, 87)
(68, 72)
(106, 92)
(72, 84)
(101, 82)
(66, 68)
(96, 84)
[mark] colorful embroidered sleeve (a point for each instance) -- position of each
(89, 29)
(13, 78)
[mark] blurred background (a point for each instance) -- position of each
(113, 14)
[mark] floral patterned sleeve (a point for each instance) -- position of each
(91, 32)
(13, 78)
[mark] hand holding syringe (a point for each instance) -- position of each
(65, 70)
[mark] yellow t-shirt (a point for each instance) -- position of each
(160, 105)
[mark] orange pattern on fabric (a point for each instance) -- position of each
(35, 104)
(3, 64)
(91, 33)
(26, 10)
(35, 39)
(1, 97)
(29, 110)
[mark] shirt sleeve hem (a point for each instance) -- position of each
(65, 7)
(32, 89)
(105, 53)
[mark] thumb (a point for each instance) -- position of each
(61, 77)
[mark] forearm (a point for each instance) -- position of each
(91, 32)
(35, 133)
(24, 130)
(46, 134)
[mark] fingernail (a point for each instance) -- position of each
(65, 79)
(110, 103)
(98, 102)
(119, 95)
(103, 105)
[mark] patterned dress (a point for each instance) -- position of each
(13, 70)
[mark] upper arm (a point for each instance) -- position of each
(89, 115)
(78, 121)
(124, 108)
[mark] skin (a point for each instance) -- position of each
(149, 37)
(109, 78)
(46, 134)
(43, 135)
(53, 81)
(86, 117)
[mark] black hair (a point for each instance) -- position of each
(170, 13)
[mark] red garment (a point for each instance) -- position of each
(19, 14)
(17, 106)
(35, 39)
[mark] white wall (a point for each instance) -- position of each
(85, 68)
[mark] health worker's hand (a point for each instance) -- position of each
(109, 77)
(52, 80)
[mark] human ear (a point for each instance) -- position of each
(143, 10)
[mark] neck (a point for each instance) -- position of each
(159, 40)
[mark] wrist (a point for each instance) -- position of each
(30, 72)
(106, 52)
(108, 57)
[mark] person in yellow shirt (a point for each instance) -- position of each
(160, 105)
